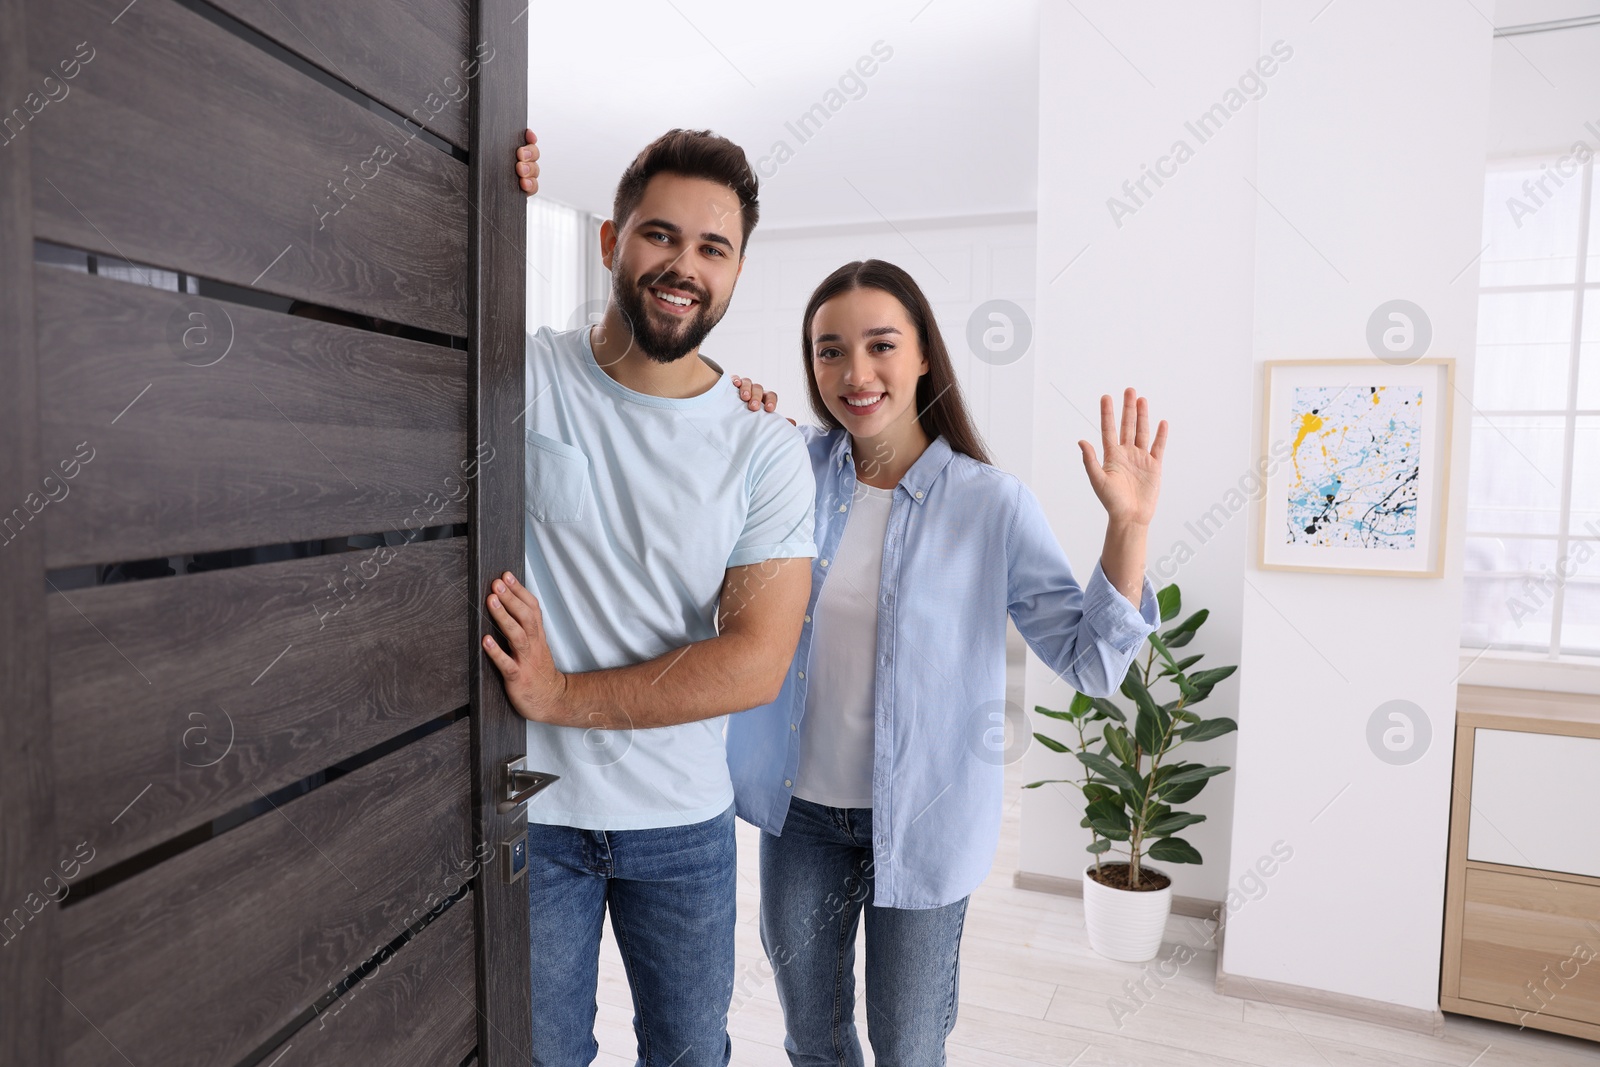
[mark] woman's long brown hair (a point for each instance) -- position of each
(939, 403)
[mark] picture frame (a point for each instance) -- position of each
(1355, 460)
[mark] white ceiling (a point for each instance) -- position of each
(947, 126)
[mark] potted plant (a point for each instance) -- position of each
(1131, 786)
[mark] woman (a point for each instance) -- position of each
(870, 775)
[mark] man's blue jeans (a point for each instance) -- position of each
(815, 879)
(671, 893)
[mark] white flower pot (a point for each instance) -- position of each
(1123, 924)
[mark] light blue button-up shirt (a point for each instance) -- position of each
(966, 546)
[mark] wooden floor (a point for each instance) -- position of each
(1033, 994)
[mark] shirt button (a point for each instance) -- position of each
(824, 563)
(802, 674)
(788, 784)
(919, 497)
(792, 726)
(808, 618)
(841, 507)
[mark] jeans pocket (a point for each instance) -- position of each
(557, 479)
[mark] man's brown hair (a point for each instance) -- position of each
(691, 154)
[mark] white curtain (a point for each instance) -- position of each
(567, 283)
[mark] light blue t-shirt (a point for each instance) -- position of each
(637, 505)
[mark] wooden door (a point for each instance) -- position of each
(259, 456)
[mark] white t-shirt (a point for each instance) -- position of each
(637, 506)
(836, 732)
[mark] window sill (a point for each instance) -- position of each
(1530, 670)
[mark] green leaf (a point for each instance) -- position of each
(1134, 690)
(1173, 850)
(1120, 744)
(1065, 716)
(1147, 729)
(1170, 601)
(1209, 678)
(1093, 791)
(1161, 647)
(1183, 633)
(1108, 819)
(1191, 772)
(1114, 773)
(1182, 794)
(1081, 703)
(1051, 743)
(1206, 729)
(1108, 709)
(1186, 786)
(1171, 824)
(1099, 845)
(1182, 665)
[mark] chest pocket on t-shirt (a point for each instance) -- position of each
(557, 479)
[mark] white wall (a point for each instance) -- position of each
(1161, 303)
(1367, 151)
(959, 263)
(1378, 150)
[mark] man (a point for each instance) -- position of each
(668, 535)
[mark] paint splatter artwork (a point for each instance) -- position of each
(1357, 456)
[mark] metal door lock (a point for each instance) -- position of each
(514, 859)
(520, 784)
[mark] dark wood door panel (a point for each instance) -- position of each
(29, 961)
(213, 425)
(498, 262)
(407, 54)
(231, 165)
(271, 151)
(182, 698)
(202, 959)
(415, 1010)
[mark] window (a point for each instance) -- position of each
(1533, 498)
(567, 283)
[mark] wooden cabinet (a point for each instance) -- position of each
(1522, 892)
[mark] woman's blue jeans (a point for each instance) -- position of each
(815, 879)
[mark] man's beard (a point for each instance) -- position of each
(664, 344)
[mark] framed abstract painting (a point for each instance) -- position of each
(1356, 462)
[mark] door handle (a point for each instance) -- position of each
(520, 784)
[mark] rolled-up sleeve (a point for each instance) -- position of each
(1086, 634)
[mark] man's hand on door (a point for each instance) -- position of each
(528, 164)
(533, 685)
